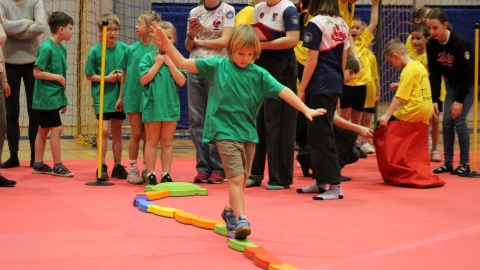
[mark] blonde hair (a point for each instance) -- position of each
(149, 17)
(244, 36)
(109, 17)
(395, 46)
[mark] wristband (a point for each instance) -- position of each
(190, 37)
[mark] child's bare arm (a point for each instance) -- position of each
(165, 45)
(393, 106)
(373, 16)
(177, 75)
(289, 96)
(112, 77)
(47, 76)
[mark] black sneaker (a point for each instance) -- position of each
(166, 178)
(10, 163)
(119, 172)
(44, 169)
(4, 182)
(151, 180)
(62, 171)
(447, 167)
(104, 172)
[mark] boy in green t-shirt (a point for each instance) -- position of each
(239, 88)
(50, 70)
(112, 119)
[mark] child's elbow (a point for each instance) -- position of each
(143, 80)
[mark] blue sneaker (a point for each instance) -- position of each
(242, 230)
(229, 218)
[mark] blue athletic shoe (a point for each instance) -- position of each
(242, 230)
(229, 218)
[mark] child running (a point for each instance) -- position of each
(160, 105)
(239, 88)
(49, 97)
(130, 99)
(111, 118)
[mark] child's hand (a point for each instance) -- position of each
(158, 35)
(6, 89)
(301, 95)
(61, 80)
(393, 86)
(375, 2)
(365, 132)
(63, 110)
(310, 113)
(384, 120)
(159, 59)
(112, 77)
(119, 105)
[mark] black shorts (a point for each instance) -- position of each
(114, 115)
(440, 106)
(353, 97)
(49, 118)
(369, 110)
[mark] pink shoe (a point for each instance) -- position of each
(216, 178)
(201, 178)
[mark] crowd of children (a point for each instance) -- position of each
(235, 139)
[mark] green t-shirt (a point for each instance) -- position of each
(93, 66)
(132, 88)
(50, 95)
(234, 99)
(160, 96)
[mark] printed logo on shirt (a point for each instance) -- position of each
(294, 20)
(274, 16)
(467, 55)
(446, 59)
(307, 37)
(261, 15)
(216, 25)
(338, 34)
(230, 15)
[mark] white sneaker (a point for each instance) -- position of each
(134, 177)
(367, 148)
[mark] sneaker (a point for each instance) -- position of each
(201, 178)
(462, 170)
(447, 167)
(10, 163)
(435, 157)
(119, 172)
(166, 178)
(216, 178)
(277, 187)
(151, 180)
(62, 171)
(253, 183)
(242, 230)
(44, 169)
(4, 182)
(229, 218)
(367, 148)
(134, 177)
(361, 154)
(104, 172)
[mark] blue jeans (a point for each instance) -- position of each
(459, 125)
(208, 158)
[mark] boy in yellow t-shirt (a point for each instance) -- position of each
(413, 93)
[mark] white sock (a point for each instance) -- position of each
(133, 164)
(164, 173)
(335, 192)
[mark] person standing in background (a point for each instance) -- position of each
(24, 21)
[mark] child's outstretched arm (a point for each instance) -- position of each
(292, 99)
(393, 106)
(165, 45)
(373, 16)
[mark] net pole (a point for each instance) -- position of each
(475, 103)
(81, 21)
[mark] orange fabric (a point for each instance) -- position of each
(402, 155)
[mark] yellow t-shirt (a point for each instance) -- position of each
(361, 46)
(423, 59)
(371, 86)
(347, 15)
(244, 16)
(414, 90)
(409, 44)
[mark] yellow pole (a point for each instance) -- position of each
(475, 101)
(102, 86)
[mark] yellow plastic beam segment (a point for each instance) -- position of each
(162, 211)
(281, 267)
